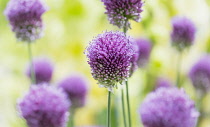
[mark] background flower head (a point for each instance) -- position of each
(109, 56)
(121, 11)
(43, 70)
(183, 32)
(200, 74)
(44, 106)
(168, 107)
(76, 87)
(25, 18)
(144, 50)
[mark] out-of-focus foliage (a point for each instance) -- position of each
(69, 27)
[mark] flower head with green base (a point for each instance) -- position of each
(183, 32)
(121, 11)
(25, 18)
(109, 56)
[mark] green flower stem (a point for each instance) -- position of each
(127, 91)
(128, 104)
(30, 55)
(123, 108)
(179, 63)
(109, 110)
(71, 118)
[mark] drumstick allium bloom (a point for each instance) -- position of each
(43, 70)
(76, 87)
(200, 74)
(168, 107)
(44, 106)
(109, 56)
(183, 32)
(121, 11)
(25, 18)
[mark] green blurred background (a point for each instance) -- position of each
(70, 25)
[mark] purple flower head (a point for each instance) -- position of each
(144, 51)
(183, 32)
(162, 82)
(25, 18)
(43, 69)
(44, 106)
(121, 11)
(109, 56)
(168, 107)
(200, 74)
(134, 59)
(76, 87)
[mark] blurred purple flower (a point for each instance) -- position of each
(134, 59)
(25, 18)
(109, 56)
(43, 69)
(183, 32)
(168, 107)
(144, 50)
(200, 74)
(162, 82)
(121, 11)
(76, 87)
(44, 106)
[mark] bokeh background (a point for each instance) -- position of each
(70, 25)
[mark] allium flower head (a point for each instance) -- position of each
(183, 32)
(43, 69)
(25, 18)
(121, 11)
(162, 82)
(144, 50)
(200, 74)
(76, 88)
(44, 106)
(134, 59)
(109, 56)
(168, 107)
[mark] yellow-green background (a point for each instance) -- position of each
(70, 25)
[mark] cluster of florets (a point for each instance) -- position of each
(163, 82)
(109, 56)
(121, 11)
(168, 107)
(200, 74)
(44, 106)
(183, 32)
(144, 50)
(25, 18)
(43, 70)
(76, 87)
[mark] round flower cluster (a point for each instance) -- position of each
(109, 56)
(144, 50)
(25, 18)
(183, 32)
(76, 88)
(44, 106)
(120, 11)
(200, 74)
(162, 82)
(43, 70)
(168, 107)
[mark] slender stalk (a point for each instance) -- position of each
(30, 55)
(127, 91)
(200, 97)
(123, 108)
(71, 118)
(109, 110)
(179, 63)
(128, 105)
